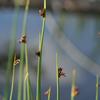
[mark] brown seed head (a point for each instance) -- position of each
(60, 72)
(42, 12)
(23, 39)
(38, 53)
(17, 61)
(75, 91)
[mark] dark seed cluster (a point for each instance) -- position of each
(60, 72)
(75, 91)
(38, 53)
(23, 39)
(42, 12)
(17, 61)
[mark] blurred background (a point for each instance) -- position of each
(72, 29)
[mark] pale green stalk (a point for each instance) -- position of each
(38, 94)
(27, 71)
(12, 85)
(57, 78)
(24, 87)
(49, 94)
(73, 83)
(11, 52)
(97, 87)
(22, 52)
(30, 89)
(24, 95)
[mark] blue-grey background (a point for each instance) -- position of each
(76, 38)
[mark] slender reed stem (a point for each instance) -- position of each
(49, 94)
(11, 52)
(24, 88)
(73, 83)
(57, 79)
(97, 87)
(22, 52)
(30, 89)
(24, 93)
(27, 71)
(38, 95)
(12, 85)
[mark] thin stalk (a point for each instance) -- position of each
(38, 97)
(30, 89)
(24, 88)
(38, 94)
(49, 94)
(22, 52)
(27, 71)
(12, 85)
(57, 79)
(24, 95)
(97, 87)
(11, 52)
(73, 83)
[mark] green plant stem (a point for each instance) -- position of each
(21, 74)
(38, 94)
(27, 71)
(11, 52)
(30, 89)
(38, 97)
(24, 88)
(97, 87)
(12, 85)
(22, 52)
(49, 94)
(73, 83)
(57, 79)
(24, 95)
